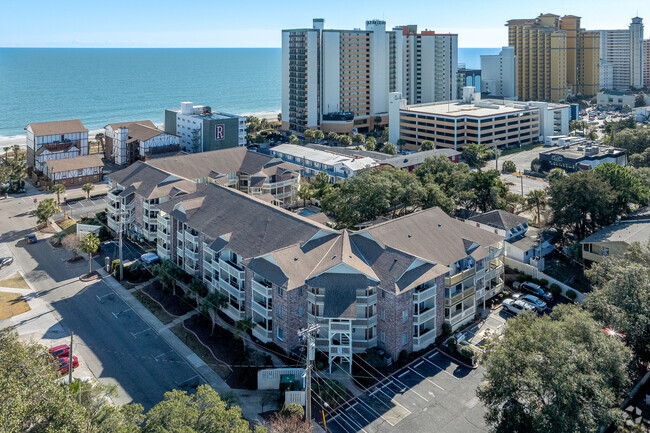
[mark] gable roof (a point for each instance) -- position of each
(499, 219)
(623, 231)
(118, 125)
(57, 127)
(150, 182)
(139, 132)
(401, 161)
(76, 163)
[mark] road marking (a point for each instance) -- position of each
(186, 380)
(351, 421)
(426, 378)
(441, 369)
(81, 203)
(99, 298)
(139, 332)
(117, 314)
(162, 354)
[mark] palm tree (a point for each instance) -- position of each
(46, 208)
(212, 303)
(389, 148)
(58, 189)
(87, 188)
(197, 288)
(244, 326)
(6, 149)
(89, 245)
(305, 193)
(426, 145)
(536, 199)
(100, 139)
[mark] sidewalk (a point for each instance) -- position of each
(210, 377)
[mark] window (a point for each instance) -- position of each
(300, 291)
(382, 336)
(383, 314)
(405, 338)
(605, 251)
(280, 291)
(280, 311)
(280, 334)
(405, 316)
(299, 310)
(383, 294)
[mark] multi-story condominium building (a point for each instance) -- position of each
(136, 191)
(606, 74)
(623, 49)
(127, 142)
(467, 77)
(499, 74)
(646, 63)
(314, 161)
(74, 171)
(492, 122)
(55, 140)
(338, 80)
(426, 65)
(391, 285)
(200, 129)
(555, 57)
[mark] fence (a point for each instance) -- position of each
(536, 273)
(270, 378)
(294, 397)
(84, 229)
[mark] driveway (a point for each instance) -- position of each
(432, 394)
(113, 343)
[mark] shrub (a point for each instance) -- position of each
(403, 356)
(294, 410)
(555, 290)
(543, 282)
(374, 359)
(522, 277)
(571, 294)
(509, 167)
(115, 264)
(452, 345)
(446, 329)
(466, 352)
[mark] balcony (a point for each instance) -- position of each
(263, 288)
(234, 313)
(367, 300)
(461, 276)
(315, 299)
(148, 206)
(189, 237)
(230, 288)
(113, 195)
(339, 350)
(425, 314)
(192, 254)
(263, 308)
(427, 337)
(456, 297)
(424, 295)
(341, 327)
(459, 316)
(232, 269)
(265, 335)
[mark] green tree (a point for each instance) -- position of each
(371, 144)
(555, 174)
(320, 184)
(332, 137)
(639, 100)
(45, 210)
(252, 124)
(293, 139)
(197, 289)
(319, 135)
(535, 165)
(489, 192)
(384, 135)
(58, 189)
(475, 154)
(87, 188)
(509, 167)
(536, 200)
(168, 273)
(89, 244)
(592, 135)
(628, 188)
(344, 140)
(435, 196)
(358, 138)
(212, 303)
(426, 145)
(309, 135)
(581, 203)
(621, 296)
(305, 193)
(202, 412)
(555, 374)
(389, 148)
(100, 140)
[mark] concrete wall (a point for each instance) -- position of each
(535, 273)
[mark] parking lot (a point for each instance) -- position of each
(81, 208)
(433, 393)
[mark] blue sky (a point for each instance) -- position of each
(257, 23)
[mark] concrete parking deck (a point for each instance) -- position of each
(434, 393)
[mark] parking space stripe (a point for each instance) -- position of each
(441, 369)
(351, 422)
(345, 429)
(378, 414)
(427, 379)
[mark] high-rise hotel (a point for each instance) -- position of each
(555, 57)
(339, 80)
(622, 51)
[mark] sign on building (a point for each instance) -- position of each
(220, 132)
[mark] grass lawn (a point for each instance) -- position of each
(15, 281)
(12, 304)
(153, 306)
(195, 346)
(523, 148)
(67, 225)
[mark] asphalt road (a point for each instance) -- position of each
(113, 343)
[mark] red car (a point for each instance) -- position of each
(64, 364)
(60, 351)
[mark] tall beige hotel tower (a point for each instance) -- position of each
(555, 57)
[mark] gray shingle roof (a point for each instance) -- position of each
(41, 129)
(623, 231)
(499, 219)
(401, 161)
(150, 182)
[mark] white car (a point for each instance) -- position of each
(518, 306)
(541, 305)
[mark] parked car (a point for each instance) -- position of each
(31, 239)
(537, 290)
(150, 258)
(6, 261)
(541, 305)
(62, 351)
(64, 364)
(518, 306)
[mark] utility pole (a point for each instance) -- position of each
(70, 359)
(309, 334)
(522, 184)
(120, 239)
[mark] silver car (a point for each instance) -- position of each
(541, 305)
(518, 306)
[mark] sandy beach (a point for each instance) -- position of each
(20, 140)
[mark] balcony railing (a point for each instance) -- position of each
(265, 335)
(315, 299)
(367, 300)
(455, 279)
(424, 295)
(345, 327)
(459, 296)
(262, 288)
(264, 309)
(424, 315)
(426, 337)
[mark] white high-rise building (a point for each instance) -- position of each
(646, 63)
(339, 80)
(499, 74)
(623, 49)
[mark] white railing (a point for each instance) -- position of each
(262, 289)
(262, 309)
(264, 335)
(423, 317)
(424, 295)
(424, 340)
(294, 397)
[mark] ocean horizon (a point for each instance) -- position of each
(106, 85)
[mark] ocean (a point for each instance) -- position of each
(101, 86)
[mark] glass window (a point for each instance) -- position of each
(383, 314)
(299, 310)
(280, 291)
(383, 336)
(405, 338)
(280, 334)
(280, 311)
(405, 316)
